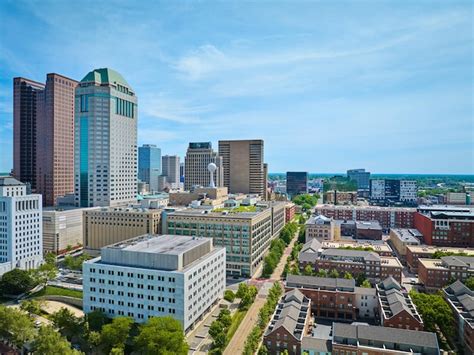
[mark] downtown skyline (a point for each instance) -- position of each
(390, 91)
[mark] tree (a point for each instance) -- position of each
(115, 334)
(248, 298)
(16, 282)
(31, 307)
(360, 279)
(242, 290)
(334, 274)
(229, 295)
(348, 275)
(366, 284)
(44, 273)
(66, 322)
(50, 258)
(263, 350)
(16, 326)
(161, 336)
(322, 273)
(469, 282)
(96, 320)
(225, 318)
(308, 270)
(49, 342)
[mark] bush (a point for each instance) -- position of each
(229, 295)
(16, 282)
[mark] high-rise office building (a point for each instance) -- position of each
(360, 176)
(170, 164)
(296, 183)
(391, 191)
(149, 165)
(243, 166)
(55, 139)
(198, 156)
(26, 94)
(105, 159)
(21, 239)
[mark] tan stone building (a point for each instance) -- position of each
(198, 156)
(243, 162)
(105, 226)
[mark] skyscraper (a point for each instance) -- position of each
(361, 177)
(296, 183)
(21, 236)
(26, 94)
(105, 154)
(171, 165)
(55, 139)
(149, 165)
(198, 157)
(243, 166)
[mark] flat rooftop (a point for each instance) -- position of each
(209, 214)
(390, 261)
(407, 235)
(367, 208)
(378, 247)
(122, 209)
(429, 249)
(374, 225)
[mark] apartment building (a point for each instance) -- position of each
(110, 225)
(396, 307)
(448, 226)
(401, 238)
(319, 227)
(149, 276)
(289, 324)
(21, 231)
(435, 274)
(414, 253)
(290, 211)
(375, 340)
(245, 235)
(368, 263)
(388, 217)
(335, 298)
(461, 300)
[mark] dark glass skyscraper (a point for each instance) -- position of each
(296, 183)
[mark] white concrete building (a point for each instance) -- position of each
(21, 237)
(151, 275)
(105, 136)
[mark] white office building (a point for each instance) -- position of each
(147, 276)
(21, 239)
(408, 191)
(105, 136)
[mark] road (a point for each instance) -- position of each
(237, 342)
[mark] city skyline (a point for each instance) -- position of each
(389, 90)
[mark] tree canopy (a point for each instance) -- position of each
(50, 342)
(16, 282)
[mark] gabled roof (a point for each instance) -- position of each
(458, 288)
(315, 282)
(390, 283)
(294, 295)
(311, 246)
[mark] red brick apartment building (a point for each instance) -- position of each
(388, 217)
(290, 211)
(449, 226)
(461, 300)
(436, 273)
(289, 324)
(415, 252)
(396, 307)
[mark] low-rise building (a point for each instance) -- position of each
(437, 273)
(63, 229)
(374, 340)
(290, 211)
(148, 276)
(319, 227)
(401, 238)
(368, 230)
(211, 196)
(109, 225)
(380, 248)
(335, 298)
(461, 300)
(340, 197)
(245, 235)
(289, 324)
(357, 262)
(415, 252)
(396, 307)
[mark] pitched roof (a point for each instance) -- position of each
(390, 283)
(311, 246)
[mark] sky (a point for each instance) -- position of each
(328, 85)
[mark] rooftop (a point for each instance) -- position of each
(368, 208)
(324, 283)
(376, 246)
(368, 225)
(407, 235)
(10, 181)
(210, 214)
(461, 299)
(428, 249)
(105, 76)
(394, 299)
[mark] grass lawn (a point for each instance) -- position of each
(57, 291)
(237, 318)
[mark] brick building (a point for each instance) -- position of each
(415, 252)
(289, 324)
(368, 230)
(437, 273)
(290, 211)
(396, 307)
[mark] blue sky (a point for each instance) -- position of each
(329, 85)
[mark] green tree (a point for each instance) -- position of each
(348, 275)
(16, 326)
(96, 320)
(308, 270)
(248, 298)
(242, 290)
(322, 273)
(50, 258)
(161, 336)
(334, 274)
(366, 284)
(49, 342)
(229, 295)
(66, 322)
(469, 282)
(31, 307)
(263, 350)
(44, 273)
(360, 279)
(16, 282)
(115, 334)
(225, 318)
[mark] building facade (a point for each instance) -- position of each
(149, 165)
(435, 274)
(105, 226)
(361, 177)
(21, 239)
(198, 156)
(402, 238)
(319, 227)
(150, 276)
(290, 211)
(105, 152)
(391, 191)
(340, 197)
(171, 169)
(243, 162)
(414, 253)
(296, 183)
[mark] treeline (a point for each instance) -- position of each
(306, 201)
(251, 344)
(277, 247)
